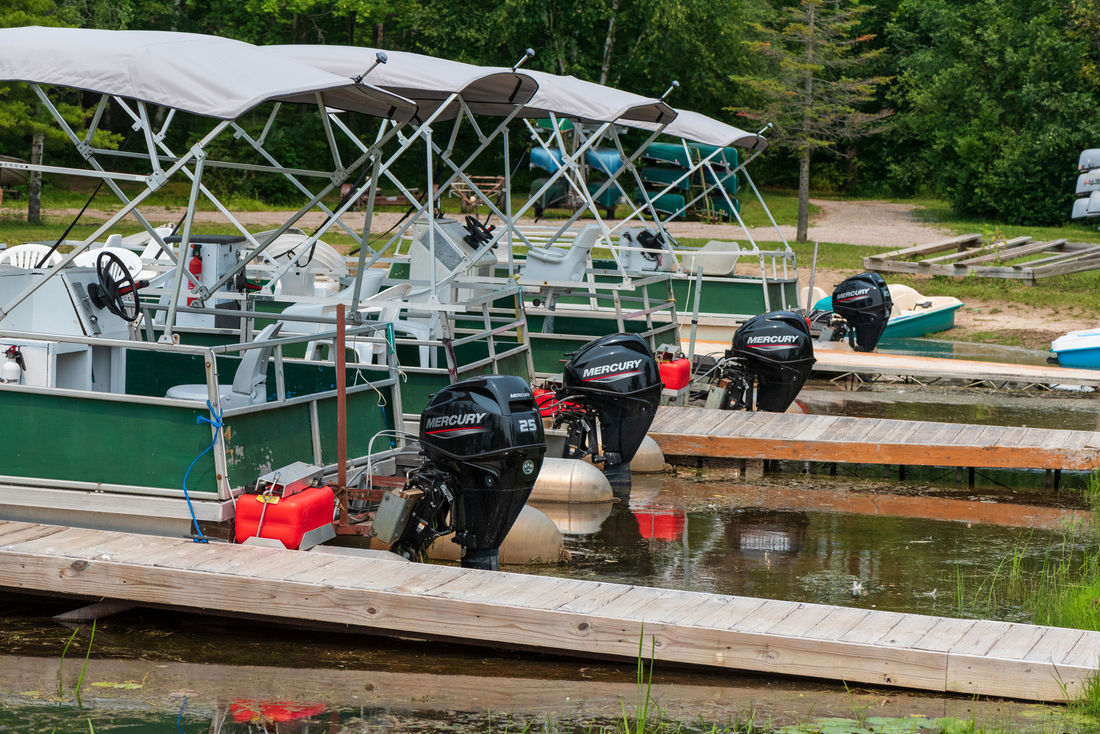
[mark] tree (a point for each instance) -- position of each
(811, 90)
(997, 100)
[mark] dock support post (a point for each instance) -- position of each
(754, 469)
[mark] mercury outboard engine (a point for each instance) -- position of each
(771, 352)
(484, 443)
(613, 381)
(861, 308)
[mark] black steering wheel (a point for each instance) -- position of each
(479, 234)
(117, 289)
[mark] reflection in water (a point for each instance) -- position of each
(900, 564)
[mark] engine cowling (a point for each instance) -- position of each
(487, 435)
(864, 303)
(777, 350)
(617, 377)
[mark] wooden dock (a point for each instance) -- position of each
(838, 360)
(930, 370)
(700, 432)
(564, 616)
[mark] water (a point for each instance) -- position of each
(734, 539)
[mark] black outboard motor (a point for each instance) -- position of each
(613, 380)
(484, 443)
(864, 302)
(772, 352)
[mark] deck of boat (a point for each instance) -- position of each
(560, 615)
(701, 432)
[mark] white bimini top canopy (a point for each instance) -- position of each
(429, 80)
(426, 80)
(699, 128)
(205, 75)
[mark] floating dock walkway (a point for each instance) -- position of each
(937, 369)
(706, 433)
(566, 616)
(840, 361)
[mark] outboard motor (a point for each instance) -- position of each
(863, 304)
(483, 442)
(614, 382)
(773, 353)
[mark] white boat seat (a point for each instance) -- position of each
(27, 256)
(249, 381)
(327, 259)
(807, 298)
(716, 257)
(557, 264)
(366, 352)
(129, 258)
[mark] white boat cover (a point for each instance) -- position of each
(426, 80)
(496, 90)
(205, 75)
(702, 129)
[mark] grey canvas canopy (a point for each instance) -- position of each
(495, 90)
(205, 75)
(426, 80)
(702, 129)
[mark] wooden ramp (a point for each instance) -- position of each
(967, 255)
(567, 616)
(703, 432)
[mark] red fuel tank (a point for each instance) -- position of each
(287, 518)
(675, 373)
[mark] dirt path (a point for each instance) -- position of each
(850, 222)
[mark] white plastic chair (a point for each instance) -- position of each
(325, 256)
(366, 352)
(556, 264)
(249, 381)
(28, 256)
(717, 257)
(129, 258)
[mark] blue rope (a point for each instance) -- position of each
(217, 424)
(179, 717)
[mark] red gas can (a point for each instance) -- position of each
(675, 373)
(287, 518)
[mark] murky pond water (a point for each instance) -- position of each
(887, 551)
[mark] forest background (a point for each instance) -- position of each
(983, 104)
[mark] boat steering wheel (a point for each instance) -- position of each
(117, 290)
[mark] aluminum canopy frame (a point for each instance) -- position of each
(206, 75)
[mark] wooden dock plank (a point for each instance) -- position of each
(1085, 653)
(723, 612)
(981, 637)
(839, 622)
(801, 621)
(1055, 643)
(944, 634)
